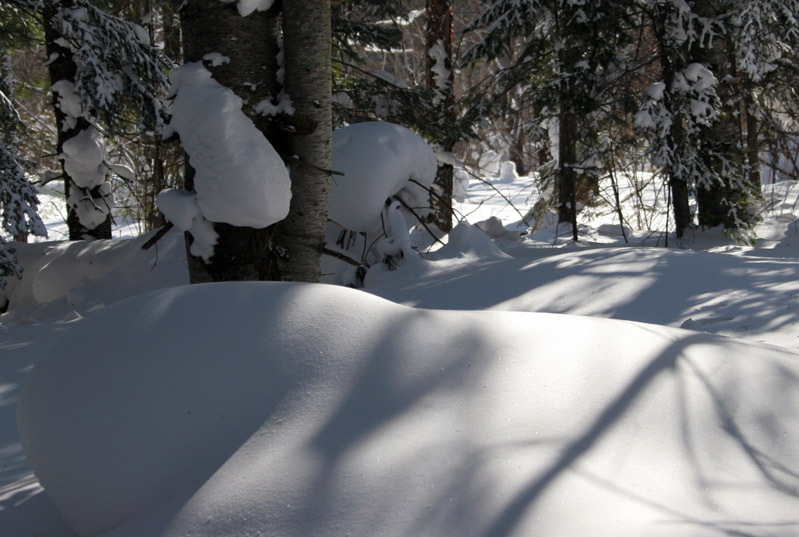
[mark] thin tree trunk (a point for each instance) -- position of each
(567, 176)
(752, 142)
(439, 33)
(679, 185)
(62, 67)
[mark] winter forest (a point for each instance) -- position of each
(399, 268)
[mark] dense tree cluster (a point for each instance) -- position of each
(696, 87)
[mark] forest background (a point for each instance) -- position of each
(574, 93)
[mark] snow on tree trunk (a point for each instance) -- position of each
(239, 179)
(674, 138)
(79, 145)
(242, 55)
(440, 78)
(307, 43)
(723, 200)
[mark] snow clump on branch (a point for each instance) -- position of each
(379, 160)
(240, 179)
(380, 189)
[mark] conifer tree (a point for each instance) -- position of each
(563, 50)
(18, 198)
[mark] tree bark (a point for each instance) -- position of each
(241, 253)
(679, 185)
(439, 31)
(308, 56)
(567, 175)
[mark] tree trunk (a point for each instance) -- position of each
(677, 183)
(62, 67)
(752, 141)
(307, 44)
(439, 36)
(716, 201)
(567, 175)
(250, 43)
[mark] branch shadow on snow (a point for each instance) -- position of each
(383, 394)
(410, 394)
(782, 475)
(710, 292)
(370, 406)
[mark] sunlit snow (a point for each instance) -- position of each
(240, 179)
(306, 410)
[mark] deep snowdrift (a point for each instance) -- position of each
(310, 410)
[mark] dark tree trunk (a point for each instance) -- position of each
(752, 126)
(62, 67)
(716, 201)
(567, 174)
(290, 250)
(439, 31)
(678, 184)
(241, 253)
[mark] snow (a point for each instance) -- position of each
(141, 34)
(508, 171)
(68, 102)
(440, 72)
(91, 211)
(500, 385)
(83, 157)
(181, 208)
(655, 91)
(321, 418)
(216, 59)
(247, 7)
(240, 179)
(283, 105)
(374, 161)
(63, 278)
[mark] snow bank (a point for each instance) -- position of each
(378, 160)
(83, 275)
(310, 410)
(240, 179)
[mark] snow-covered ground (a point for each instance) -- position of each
(600, 395)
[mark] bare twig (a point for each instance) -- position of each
(402, 202)
(341, 257)
(158, 236)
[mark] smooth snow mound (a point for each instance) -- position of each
(303, 410)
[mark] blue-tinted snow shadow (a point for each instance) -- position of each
(698, 290)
